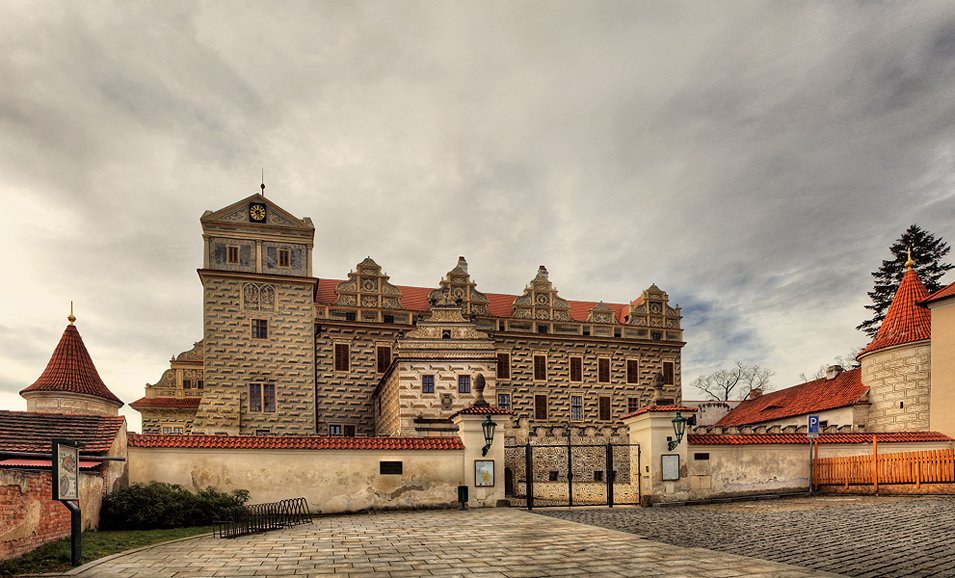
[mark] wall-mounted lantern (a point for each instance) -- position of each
(488, 425)
(679, 427)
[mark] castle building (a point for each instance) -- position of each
(287, 353)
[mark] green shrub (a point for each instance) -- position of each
(161, 505)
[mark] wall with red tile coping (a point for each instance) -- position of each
(29, 518)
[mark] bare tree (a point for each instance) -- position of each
(734, 383)
(847, 361)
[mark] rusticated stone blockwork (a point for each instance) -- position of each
(235, 359)
(899, 387)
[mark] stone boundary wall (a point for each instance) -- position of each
(767, 429)
(29, 518)
(733, 470)
(333, 481)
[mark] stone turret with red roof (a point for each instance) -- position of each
(70, 382)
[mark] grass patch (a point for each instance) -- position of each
(55, 556)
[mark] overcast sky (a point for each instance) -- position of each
(755, 160)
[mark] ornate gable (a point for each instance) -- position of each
(367, 286)
(462, 290)
(256, 210)
(600, 313)
(540, 301)
(653, 309)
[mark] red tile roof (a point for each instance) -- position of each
(660, 409)
(826, 438)
(905, 321)
(486, 410)
(45, 464)
(166, 402)
(71, 370)
(817, 395)
(22, 431)
(943, 293)
(498, 304)
(294, 442)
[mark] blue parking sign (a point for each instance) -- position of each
(813, 431)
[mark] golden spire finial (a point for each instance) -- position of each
(72, 317)
(910, 262)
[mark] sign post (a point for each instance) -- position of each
(66, 489)
(812, 432)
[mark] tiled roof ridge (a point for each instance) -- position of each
(660, 409)
(71, 370)
(826, 438)
(943, 293)
(33, 431)
(905, 321)
(817, 395)
(166, 401)
(481, 410)
(294, 442)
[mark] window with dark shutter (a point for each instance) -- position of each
(668, 372)
(341, 357)
(540, 407)
(603, 370)
(349, 431)
(604, 409)
(576, 369)
(633, 371)
(503, 365)
(540, 368)
(384, 358)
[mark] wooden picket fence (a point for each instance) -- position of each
(920, 467)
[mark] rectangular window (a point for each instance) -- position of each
(283, 257)
(427, 384)
(186, 384)
(540, 407)
(255, 397)
(603, 370)
(260, 328)
(261, 397)
(390, 468)
(604, 409)
(341, 357)
(334, 430)
(598, 475)
(503, 365)
(166, 430)
(633, 404)
(633, 371)
(668, 373)
(350, 431)
(199, 384)
(464, 384)
(540, 368)
(576, 369)
(177, 430)
(504, 400)
(576, 407)
(232, 254)
(383, 358)
(701, 456)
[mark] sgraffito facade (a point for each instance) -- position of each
(286, 353)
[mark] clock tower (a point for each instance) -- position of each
(258, 321)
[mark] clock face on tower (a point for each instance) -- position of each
(257, 213)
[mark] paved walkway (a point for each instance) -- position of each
(498, 542)
(865, 536)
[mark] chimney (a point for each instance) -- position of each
(462, 264)
(832, 371)
(754, 393)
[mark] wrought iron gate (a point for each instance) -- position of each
(586, 474)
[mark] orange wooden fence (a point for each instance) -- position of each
(921, 467)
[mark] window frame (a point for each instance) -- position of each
(464, 383)
(672, 377)
(262, 397)
(378, 358)
(601, 362)
(542, 356)
(537, 406)
(333, 428)
(604, 402)
(287, 254)
(636, 371)
(259, 328)
(579, 407)
(345, 367)
(633, 404)
(580, 368)
(506, 398)
(232, 250)
(506, 357)
(424, 378)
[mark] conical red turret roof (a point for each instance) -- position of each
(905, 321)
(71, 370)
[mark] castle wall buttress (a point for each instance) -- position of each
(899, 385)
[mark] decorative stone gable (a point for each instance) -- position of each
(600, 313)
(540, 301)
(444, 326)
(270, 214)
(653, 310)
(367, 286)
(462, 289)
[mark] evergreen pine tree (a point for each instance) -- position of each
(928, 253)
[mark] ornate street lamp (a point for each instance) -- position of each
(488, 425)
(679, 426)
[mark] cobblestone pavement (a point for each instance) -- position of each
(481, 543)
(864, 536)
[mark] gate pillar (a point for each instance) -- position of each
(482, 473)
(662, 475)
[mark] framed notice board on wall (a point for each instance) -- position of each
(670, 467)
(66, 470)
